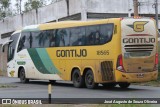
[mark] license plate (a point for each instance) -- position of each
(140, 75)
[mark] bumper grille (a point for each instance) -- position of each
(107, 70)
(139, 48)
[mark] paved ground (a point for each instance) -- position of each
(39, 89)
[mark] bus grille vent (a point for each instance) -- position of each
(139, 48)
(107, 70)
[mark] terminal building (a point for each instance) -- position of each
(71, 10)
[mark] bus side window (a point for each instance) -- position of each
(43, 39)
(64, 37)
(51, 36)
(74, 36)
(57, 38)
(35, 39)
(82, 36)
(25, 41)
(106, 33)
(21, 43)
(77, 37)
(30, 40)
(92, 35)
(97, 38)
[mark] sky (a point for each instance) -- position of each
(13, 2)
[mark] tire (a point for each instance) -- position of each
(124, 85)
(109, 85)
(52, 81)
(89, 80)
(78, 80)
(22, 76)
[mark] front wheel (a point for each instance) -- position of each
(22, 76)
(89, 80)
(124, 85)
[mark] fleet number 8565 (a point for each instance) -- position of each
(103, 52)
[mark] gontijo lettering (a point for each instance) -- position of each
(139, 40)
(71, 53)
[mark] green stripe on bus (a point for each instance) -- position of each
(37, 61)
(47, 61)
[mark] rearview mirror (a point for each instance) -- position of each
(3, 46)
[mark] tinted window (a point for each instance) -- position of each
(51, 37)
(99, 34)
(106, 32)
(92, 35)
(35, 42)
(41, 39)
(77, 36)
(62, 37)
(12, 46)
(36, 39)
(25, 41)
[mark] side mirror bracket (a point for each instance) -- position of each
(3, 46)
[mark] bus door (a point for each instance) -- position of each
(139, 39)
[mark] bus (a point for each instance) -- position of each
(110, 52)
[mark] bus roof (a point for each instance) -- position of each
(64, 24)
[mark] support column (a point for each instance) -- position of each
(84, 10)
(156, 12)
(135, 2)
(129, 9)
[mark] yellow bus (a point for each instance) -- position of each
(116, 51)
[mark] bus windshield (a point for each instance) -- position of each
(12, 46)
